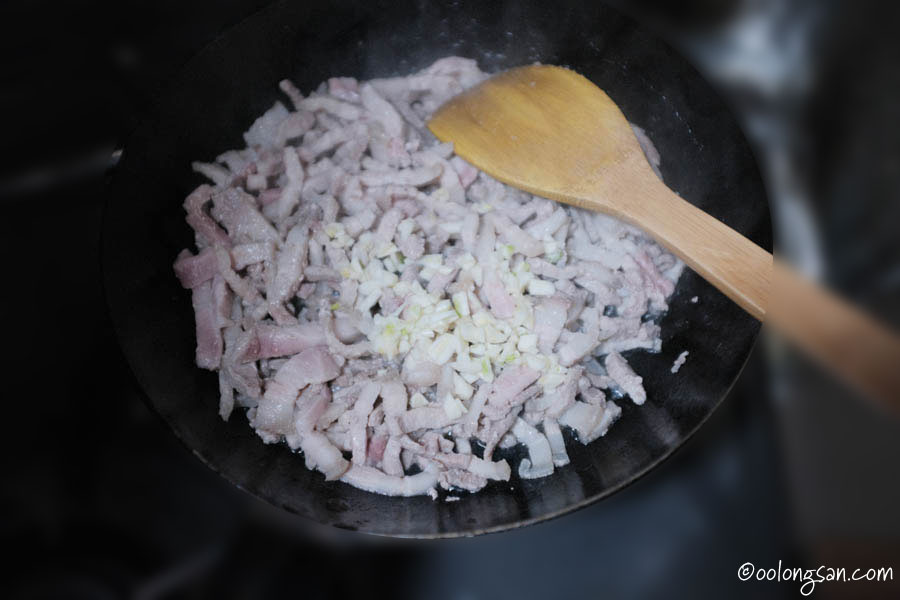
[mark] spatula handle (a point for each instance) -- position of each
(732, 263)
(848, 343)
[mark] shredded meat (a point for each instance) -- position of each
(384, 307)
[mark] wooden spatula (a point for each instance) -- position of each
(552, 132)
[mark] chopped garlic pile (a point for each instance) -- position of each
(455, 328)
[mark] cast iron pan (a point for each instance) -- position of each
(704, 158)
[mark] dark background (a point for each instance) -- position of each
(100, 501)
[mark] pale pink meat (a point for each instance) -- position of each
(344, 88)
(209, 335)
(512, 234)
(207, 230)
(323, 456)
(373, 480)
(467, 173)
(307, 254)
(381, 111)
(272, 340)
(359, 420)
(426, 417)
(311, 406)
(276, 408)
(590, 421)
(550, 315)
(625, 377)
(511, 382)
(192, 270)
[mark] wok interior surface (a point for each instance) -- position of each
(704, 158)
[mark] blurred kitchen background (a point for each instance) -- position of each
(99, 500)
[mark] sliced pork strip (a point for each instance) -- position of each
(542, 268)
(222, 301)
(625, 377)
(464, 480)
(273, 340)
(388, 225)
(449, 180)
(550, 315)
(218, 175)
(294, 126)
(469, 233)
(237, 161)
(226, 395)
(290, 265)
(375, 449)
(360, 418)
(390, 460)
(344, 88)
(415, 177)
(290, 90)
(393, 398)
(564, 395)
(484, 246)
(557, 443)
(547, 226)
(328, 142)
(207, 230)
(381, 110)
(373, 480)
(426, 417)
(311, 405)
(343, 110)
(590, 421)
(497, 470)
(192, 270)
(243, 377)
(511, 382)
(276, 408)
(575, 346)
(679, 362)
(290, 194)
(512, 234)
(244, 255)
(346, 328)
(323, 456)
(494, 432)
(540, 458)
(461, 443)
(264, 131)
(321, 273)
(470, 421)
(236, 209)
(663, 286)
(496, 411)
(326, 317)
(467, 173)
(209, 335)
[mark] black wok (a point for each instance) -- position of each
(704, 157)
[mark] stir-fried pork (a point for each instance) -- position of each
(384, 307)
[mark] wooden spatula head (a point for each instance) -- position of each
(547, 130)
